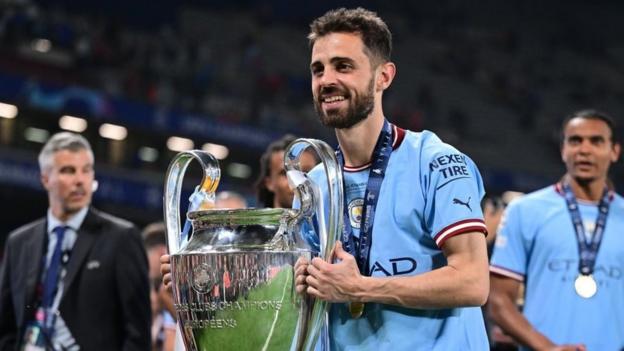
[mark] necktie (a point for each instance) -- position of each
(52, 274)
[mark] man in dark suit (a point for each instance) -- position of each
(76, 279)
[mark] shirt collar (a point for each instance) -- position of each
(74, 221)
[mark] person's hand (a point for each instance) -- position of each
(165, 297)
(338, 282)
(165, 269)
(301, 273)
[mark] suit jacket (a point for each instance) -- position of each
(105, 302)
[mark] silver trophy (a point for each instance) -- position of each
(233, 276)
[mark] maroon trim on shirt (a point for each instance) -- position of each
(461, 227)
(398, 137)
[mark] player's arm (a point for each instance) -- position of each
(503, 310)
(464, 281)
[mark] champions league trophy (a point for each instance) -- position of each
(233, 276)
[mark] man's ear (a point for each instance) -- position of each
(615, 154)
(385, 76)
(45, 179)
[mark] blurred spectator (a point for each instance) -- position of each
(77, 278)
(493, 208)
(163, 333)
(229, 199)
(272, 185)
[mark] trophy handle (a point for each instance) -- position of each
(173, 188)
(328, 232)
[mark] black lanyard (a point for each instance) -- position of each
(587, 250)
(361, 249)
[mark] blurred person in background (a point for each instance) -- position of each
(77, 278)
(163, 325)
(493, 208)
(411, 269)
(565, 243)
(272, 188)
(230, 200)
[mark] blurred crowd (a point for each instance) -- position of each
(256, 74)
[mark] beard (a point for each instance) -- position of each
(361, 104)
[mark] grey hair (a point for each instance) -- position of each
(58, 142)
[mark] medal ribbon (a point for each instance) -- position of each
(587, 250)
(360, 249)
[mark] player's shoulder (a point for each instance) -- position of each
(430, 146)
(425, 140)
(617, 202)
(537, 199)
(434, 153)
(110, 220)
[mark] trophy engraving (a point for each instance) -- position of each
(233, 275)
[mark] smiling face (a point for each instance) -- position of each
(588, 149)
(69, 182)
(343, 80)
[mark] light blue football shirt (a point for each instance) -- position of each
(536, 243)
(430, 193)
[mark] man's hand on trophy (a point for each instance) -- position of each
(337, 282)
(301, 273)
(165, 269)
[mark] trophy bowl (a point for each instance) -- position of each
(233, 276)
(234, 283)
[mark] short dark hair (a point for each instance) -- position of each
(375, 34)
(265, 196)
(154, 234)
(594, 115)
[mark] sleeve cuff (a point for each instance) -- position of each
(507, 273)
(461, 227)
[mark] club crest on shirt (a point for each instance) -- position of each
(355, 212)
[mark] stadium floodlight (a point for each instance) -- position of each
(8, 110)
(239, 170)
(178, 144)
(148, 154)
(36, 135)
(220, 152)
(41, 45)
(73, 124)
(113, 131)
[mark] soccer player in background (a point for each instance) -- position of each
(565, 243)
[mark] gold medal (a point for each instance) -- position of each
(585, 286)
(356, 309)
